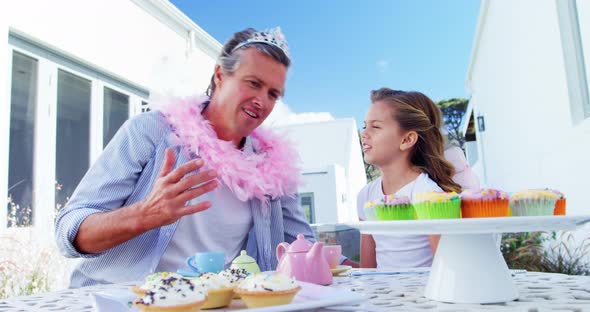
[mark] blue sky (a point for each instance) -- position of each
(343, 49)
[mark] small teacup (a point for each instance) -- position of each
(203, 262)
(332, 254)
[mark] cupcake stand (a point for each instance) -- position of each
(468, 266)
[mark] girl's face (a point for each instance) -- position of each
(382, 136)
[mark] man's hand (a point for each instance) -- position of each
(172, 189)
(164, 205)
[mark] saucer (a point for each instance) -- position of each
(339, 269)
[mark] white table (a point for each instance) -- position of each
(538, 292)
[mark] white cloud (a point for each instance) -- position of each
(282, 116)
(383, 65)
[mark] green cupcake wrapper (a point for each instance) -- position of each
(395, 212)
(532, 207)
(444, 210)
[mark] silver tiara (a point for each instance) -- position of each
(272, 36)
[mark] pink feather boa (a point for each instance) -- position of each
(271, 171)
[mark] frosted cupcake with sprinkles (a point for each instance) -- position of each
(533, 203)
(267, 289)
(173, 295)
(155, 281)
(219, 290)
(395, 208)
(232, 277)
(484, 203)
(437, 205)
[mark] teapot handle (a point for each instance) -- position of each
(281, 249)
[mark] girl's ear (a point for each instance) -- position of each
(409, 140)
(217, 76)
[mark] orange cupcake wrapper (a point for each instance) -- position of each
(484, 208)
(559, 209)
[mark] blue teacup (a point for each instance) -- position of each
(203, 262)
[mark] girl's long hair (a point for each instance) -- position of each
(414, 111)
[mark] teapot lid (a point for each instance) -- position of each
(300, 244)
(243, 258)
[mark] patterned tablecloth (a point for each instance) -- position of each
(538, 292)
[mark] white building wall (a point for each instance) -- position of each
(322, 183)
(148, 44)
(343, 195)
(117, 36)
(323, 145)
(471, 153)
(518, 84)
(357, 177)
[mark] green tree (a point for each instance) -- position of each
(453, 111)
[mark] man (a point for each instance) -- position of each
(196, 176)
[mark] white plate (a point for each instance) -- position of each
(309, 297)
(472, 225)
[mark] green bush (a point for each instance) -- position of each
(527, 251)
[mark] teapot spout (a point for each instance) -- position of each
(316, 250)
(318, 269)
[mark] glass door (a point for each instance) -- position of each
(23, 102)
(72, 133)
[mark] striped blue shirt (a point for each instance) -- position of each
(124, 174)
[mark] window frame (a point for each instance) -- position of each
(573, 55)
(49, 61)
(310, 195)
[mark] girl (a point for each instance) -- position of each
(401, 137)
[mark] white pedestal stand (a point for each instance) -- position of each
(468, 267)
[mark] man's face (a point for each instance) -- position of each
(247, 96)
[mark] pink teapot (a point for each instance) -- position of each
(304, 261)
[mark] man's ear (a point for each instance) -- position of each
(409, 140)
(218, 75)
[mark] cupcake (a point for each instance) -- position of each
(370, 211)
(559, 209)
(395, 208)
(267, 289)
(533, 203)
(484, 203)
(232, 277)
(437, 205)
(219, 291)
(173, 295)
(155, 281)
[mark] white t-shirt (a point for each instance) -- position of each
(222, 227)
(399, 250)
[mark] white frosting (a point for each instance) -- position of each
(210, 281)
(154, 281)
(174, 292)
(233, 276)
(268, 282)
